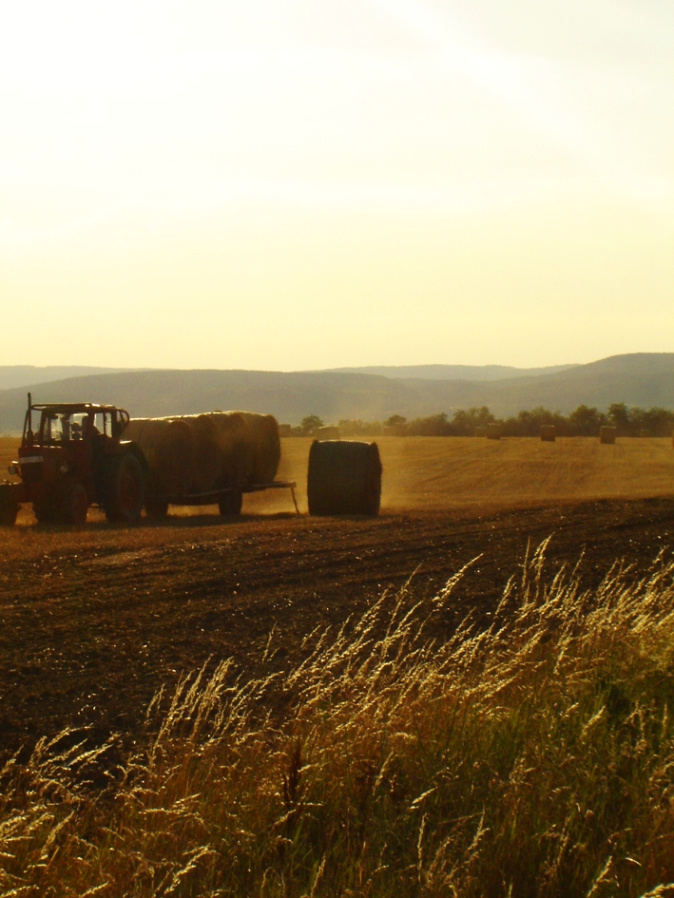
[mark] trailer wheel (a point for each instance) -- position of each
(74, 503)
(156, 508)
(9, 507)
(230, 503)
(123, 488)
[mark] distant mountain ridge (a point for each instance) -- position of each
(12, 376)
(25, 375)
(477, 373)
(645, 380)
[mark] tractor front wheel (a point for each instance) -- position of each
(74, 503)
(9, 506)
(123, 488)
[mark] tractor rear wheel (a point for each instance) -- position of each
(9, 507)
(123, 488)
(73, 503)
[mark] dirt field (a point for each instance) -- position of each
(94, 620)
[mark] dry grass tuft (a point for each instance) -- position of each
(530, 756)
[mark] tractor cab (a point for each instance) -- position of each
(65, 423)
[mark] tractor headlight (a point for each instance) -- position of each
(13, 468)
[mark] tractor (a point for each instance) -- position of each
(74, 459)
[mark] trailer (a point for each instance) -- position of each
(83, 454)
(229, 499)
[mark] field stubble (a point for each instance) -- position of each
(94, 619)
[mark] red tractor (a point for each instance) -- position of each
(75, 458)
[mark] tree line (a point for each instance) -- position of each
(584, 421)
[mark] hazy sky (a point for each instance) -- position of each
(293, 184)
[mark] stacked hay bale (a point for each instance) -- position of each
(607, 435)
(236, 445)
(494, 431)
(548, 433)
(167, 444)
(344, 477)
(265, 446)
(195, 454)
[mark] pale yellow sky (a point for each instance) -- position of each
(292, 184)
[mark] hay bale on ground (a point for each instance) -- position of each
(327, 433)
(607, 435)
(493, 431)
(285, 430)
(395, 430)
(481, 431)
(344, 477)
(548, 433)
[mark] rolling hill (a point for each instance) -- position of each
(643, 379)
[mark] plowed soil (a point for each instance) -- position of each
(94, 620)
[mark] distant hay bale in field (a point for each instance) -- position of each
(285, 430)
(327, 433)
(607, 435)
(494, 431)
(265, 446)
(481, 431)
(344, 477)
(548, 433)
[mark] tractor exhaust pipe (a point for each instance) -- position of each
(29, 416)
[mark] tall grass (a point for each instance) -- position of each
(530, 754)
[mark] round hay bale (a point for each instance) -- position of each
(548, 433)
(494, 431)
(134, 429)
(344, 477)
(237, 453)
(265, 445)
(607, 435)
(481, 431)
(171, 461)
(208, 457)
(149, 434)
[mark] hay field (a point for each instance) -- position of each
(464, 473)
(451, 473)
